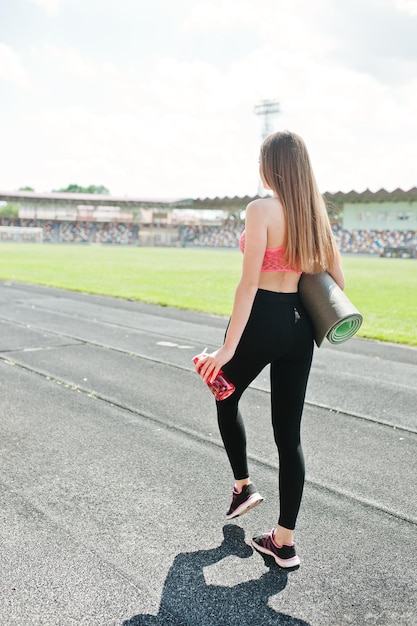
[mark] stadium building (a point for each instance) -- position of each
(380, 222)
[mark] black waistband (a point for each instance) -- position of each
(278, 296)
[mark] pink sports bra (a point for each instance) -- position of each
(272, 261)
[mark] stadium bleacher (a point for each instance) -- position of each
(224, 235)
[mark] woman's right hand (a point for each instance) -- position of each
(208, 365)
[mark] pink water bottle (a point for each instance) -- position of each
(221, 387)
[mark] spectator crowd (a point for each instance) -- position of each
(374, 241)
(79, 232)
(225, 235)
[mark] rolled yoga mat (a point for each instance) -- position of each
(331, 312)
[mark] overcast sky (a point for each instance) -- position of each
(155, 98)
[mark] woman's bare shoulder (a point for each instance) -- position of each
(261, 204)
(268, 208)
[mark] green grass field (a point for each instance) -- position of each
(384, 290)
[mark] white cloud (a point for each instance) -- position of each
(175, 127)
(190, 129)
(11, 69)
(215, 14)
(50, 7)
(408, 6)
(74, 63)
(277, 23)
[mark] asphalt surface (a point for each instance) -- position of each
(114, 483)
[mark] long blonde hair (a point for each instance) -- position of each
(285, 165)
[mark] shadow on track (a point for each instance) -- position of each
(188, 600)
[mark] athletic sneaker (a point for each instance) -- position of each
(285, 556)
(244, 501)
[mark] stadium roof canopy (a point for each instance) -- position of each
(65, 199)
(398, 195)
(231, 204)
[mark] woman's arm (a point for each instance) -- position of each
(255, 245)
(336, 271)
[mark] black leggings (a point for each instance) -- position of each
(278, 332)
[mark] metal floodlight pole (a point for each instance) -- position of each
(267, 109)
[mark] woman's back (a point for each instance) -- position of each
(271, 219)
(274, 222)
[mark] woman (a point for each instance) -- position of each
(285, 235)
